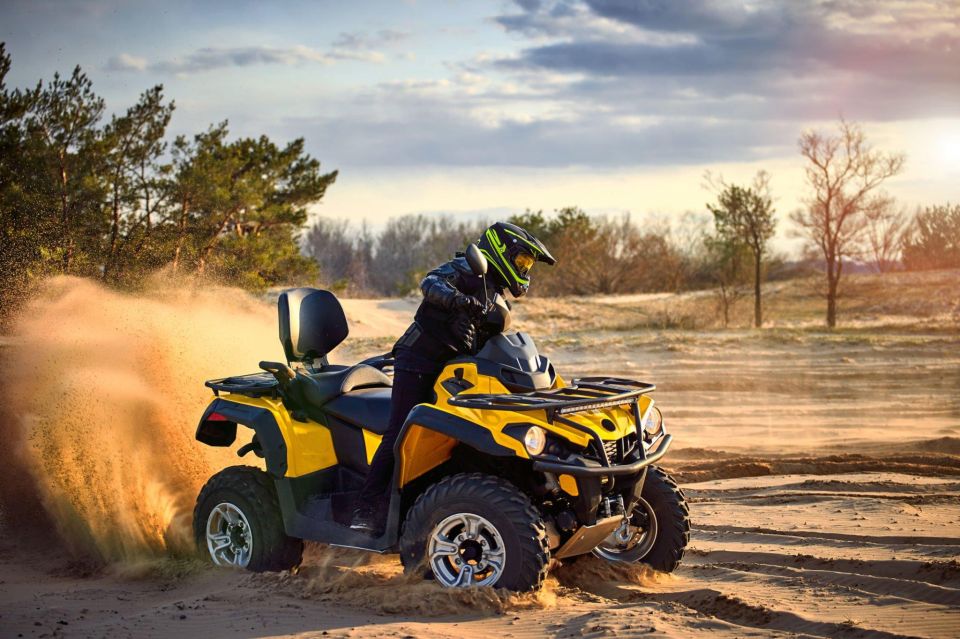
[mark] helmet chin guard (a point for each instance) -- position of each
(502, 244)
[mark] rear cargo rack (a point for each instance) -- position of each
(254, 384)
(583, 395)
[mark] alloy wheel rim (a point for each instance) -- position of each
(466, 550)
(631, 538)
(229, 536)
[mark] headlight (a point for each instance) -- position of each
(652, 423)
(534, 440)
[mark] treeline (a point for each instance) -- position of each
(727, 251)
(596, 254)
(932, 239)
(116, 199)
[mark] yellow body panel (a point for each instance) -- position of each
(371, 442)
(421, 452)
(569, 485)
(309, 444)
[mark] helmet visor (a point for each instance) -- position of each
(524, 262)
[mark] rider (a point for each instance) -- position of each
(444, 326)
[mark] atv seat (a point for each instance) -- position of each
(368, 408)
(321, 388)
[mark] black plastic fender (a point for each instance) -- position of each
(218, 427)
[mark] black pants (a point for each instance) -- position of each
(409, 389)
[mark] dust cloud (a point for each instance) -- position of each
(378, 583)
(102, 392)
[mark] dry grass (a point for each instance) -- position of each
(908, 302)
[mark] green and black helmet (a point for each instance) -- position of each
(512, 252)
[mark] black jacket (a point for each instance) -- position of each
(431, 336)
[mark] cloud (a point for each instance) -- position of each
(211, 58)
(441, 123)
(724, 37)
(614, 83)
(126, 62)
(610, 84)
(879, 57)
(366, 40)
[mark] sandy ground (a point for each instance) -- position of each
(822, 471)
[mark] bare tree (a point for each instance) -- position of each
(887, 227)
(843, 172)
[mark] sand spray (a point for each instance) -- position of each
(102, 393)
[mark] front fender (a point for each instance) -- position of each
(430, 433)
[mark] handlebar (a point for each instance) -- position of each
(282, 372)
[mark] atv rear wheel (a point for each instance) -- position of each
(476, 530)
(659, 527)
(237, 522)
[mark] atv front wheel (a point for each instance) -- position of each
(237, 522)
(476, 530)
(659, 527)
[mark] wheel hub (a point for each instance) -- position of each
(466, 550)
(229, 537)
(635, 537)
(471, 550)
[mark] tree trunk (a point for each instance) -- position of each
(114, 231)
(208, 248)
(757, 308)
(725, 301)
(65, 217)
(831, 308)
(146, 196)
(833, 277)
(181, 234)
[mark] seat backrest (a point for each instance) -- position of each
(312, 324)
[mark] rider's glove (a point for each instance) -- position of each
(469, 305)
(463, 329)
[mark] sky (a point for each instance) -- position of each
(487, 108)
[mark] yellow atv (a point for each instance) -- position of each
(508, 467)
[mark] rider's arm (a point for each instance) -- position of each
(439, 287)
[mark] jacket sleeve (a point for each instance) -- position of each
(439, 287)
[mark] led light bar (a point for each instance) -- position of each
(582, 408)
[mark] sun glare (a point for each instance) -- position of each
(948, 147)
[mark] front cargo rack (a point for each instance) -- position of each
(584, 394)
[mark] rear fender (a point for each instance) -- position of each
(218, 427)
(430, 434)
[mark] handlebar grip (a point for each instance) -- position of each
(279, 370)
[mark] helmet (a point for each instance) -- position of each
(512, 252)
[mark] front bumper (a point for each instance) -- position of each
(580, 466)
(596, 482)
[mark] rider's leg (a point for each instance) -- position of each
(409, 389)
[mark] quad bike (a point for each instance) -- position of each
(508, 467)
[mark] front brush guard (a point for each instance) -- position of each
(580, 466)
(590, 476)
